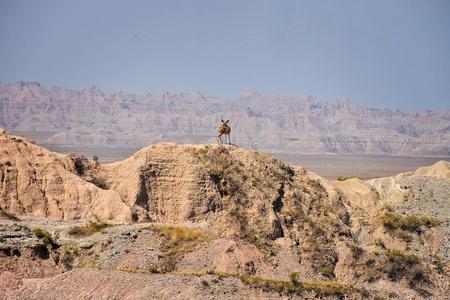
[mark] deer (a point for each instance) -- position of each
(224, 129)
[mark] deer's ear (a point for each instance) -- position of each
(222, 120)
(227, 121)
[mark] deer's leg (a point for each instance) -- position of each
(229, 139)
(219, 139)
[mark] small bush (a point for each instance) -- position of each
(68, 255)
(44, 235)
(100, 182)
(79, 164)
(153, 269)
(294, 276)
(88, 229)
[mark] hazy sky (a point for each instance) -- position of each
(384, 53)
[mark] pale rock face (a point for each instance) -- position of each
(441, 169)
(38, 183)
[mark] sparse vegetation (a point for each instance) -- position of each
(129, 269)
(294, 277)
(68, 255)
(178, 240)
(294, 286)
(379, 242)
(8, 215)
(79, 163)
(439, 263)
(400, 257)
(400, 264)
(44, 235)
(357, 251)
(326, 270)
(178, 234)
(100, 182)
(408, 223)
(89, 260)
(343, 178)
(89, 228)
(322, 287)
(153, 269)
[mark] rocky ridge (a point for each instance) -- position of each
(218, 222)
(291, 124)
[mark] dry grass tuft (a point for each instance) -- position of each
(129, 269)
(89, 228)
(343, 178)
(178, 234)
(178, 241)
(100, 182)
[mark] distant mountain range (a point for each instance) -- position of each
(296, 124)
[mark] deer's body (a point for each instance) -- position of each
(225, 130)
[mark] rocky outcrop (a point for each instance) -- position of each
(296, 124)
(207, 211)
(35, 182)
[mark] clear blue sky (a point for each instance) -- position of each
(379, 53)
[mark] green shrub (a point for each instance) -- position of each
(44, 235)
(294, 277)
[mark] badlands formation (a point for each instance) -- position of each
(276, 123)
(215, 222)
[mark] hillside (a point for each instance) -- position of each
(215, 222)
(293, 124)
